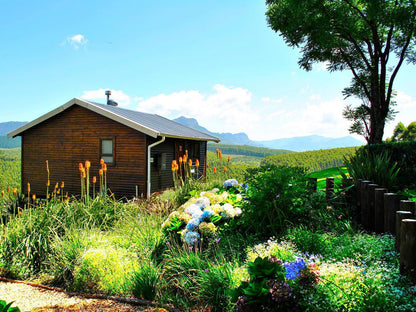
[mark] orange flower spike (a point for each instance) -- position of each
(87, 164)
(48, 183)
(47, 166)
(225, 169)
(184, 158)
(15, 191)
(34, 197)
(2, 193)
(101, 162)
(80, 167)
(229, 158)
(197, 163)
(190, 162)
(215, 169)
(62, 184)
(100, 172)
(28, 187)
(94, 179)
(56, 185)
(105, 167)
(83, 174)
(8, 189)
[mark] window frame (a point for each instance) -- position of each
(113, 155)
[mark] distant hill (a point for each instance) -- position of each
(311, 143)
(6, 127)
(226, 138)
(297, 144)
(247, 150)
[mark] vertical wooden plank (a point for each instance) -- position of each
(313, 184)
(329, 188)
(379, 209)
(400, 215)
(408, 249)
(371, 204)
(391, 205)
(364, 203)
(408, 205)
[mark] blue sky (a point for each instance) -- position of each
(216, 61)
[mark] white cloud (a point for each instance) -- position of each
(117, 95)
(269, 100)
(76, 41)
(226, 109)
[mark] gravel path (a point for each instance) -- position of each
(35, 299)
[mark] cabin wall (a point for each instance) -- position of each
(72, 137)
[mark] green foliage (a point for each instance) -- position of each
(247, 150)
(404, 155)
(402, 133)
(313, 160)
(6, 307)
(277, 198)
(9, 168)
(146, 281)
(375, 167)
(355, 35)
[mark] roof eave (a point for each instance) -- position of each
(190, 138)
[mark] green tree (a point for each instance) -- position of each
(401, 133)
(371, 38)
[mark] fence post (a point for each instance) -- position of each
(408, 205)
(371, 201)
(364, 203)
(313, 184)
(391, 205)
(358, 193)
(400, 215)
(408, 248)
(330, 185)
(379, 209)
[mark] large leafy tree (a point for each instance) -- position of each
(371, 38)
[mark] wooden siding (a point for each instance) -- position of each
(73, 136)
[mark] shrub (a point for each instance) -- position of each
(376, 167)
(277, 197)
(7, 307)
(146, 281)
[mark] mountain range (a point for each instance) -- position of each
(297, 144)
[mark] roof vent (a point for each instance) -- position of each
(110, 102)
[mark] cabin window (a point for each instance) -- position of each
(107, 151)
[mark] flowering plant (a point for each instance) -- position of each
(202, 215)
(277, 286)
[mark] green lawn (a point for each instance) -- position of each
(327, 173)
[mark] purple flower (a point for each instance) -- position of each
(277, 196)
(206, 270)
(293, 268)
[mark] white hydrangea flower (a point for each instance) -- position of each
(202, 202)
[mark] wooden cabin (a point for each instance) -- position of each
(137, 147)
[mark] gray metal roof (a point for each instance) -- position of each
(150, 124)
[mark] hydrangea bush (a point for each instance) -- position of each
(203, 214)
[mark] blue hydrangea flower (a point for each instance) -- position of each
(191, 238)
(207, 213)
(293, 268)
(193, 209)
(230, 182)
(193, 224)
(202, 202)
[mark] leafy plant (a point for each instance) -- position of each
(146, 281)
(376, 167)
(6, 307)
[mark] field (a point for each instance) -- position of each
(269, 246)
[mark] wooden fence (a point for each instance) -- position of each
(382, 212)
